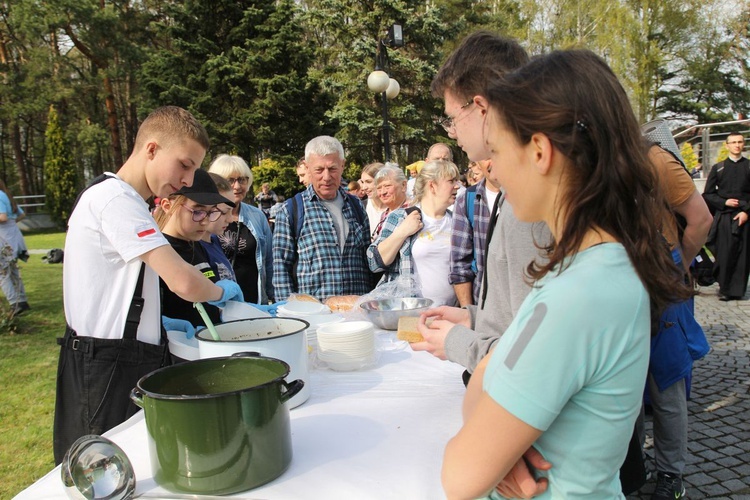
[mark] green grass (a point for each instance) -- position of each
(28, 367)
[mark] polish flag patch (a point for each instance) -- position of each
(145, 230)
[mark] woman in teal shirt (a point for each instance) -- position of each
(567, 376)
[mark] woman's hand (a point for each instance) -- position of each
(389, 246)
(412, 224)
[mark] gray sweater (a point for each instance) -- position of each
(512, 247)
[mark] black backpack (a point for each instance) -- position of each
(54, 256)
(702, 268)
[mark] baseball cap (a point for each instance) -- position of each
(203, 190)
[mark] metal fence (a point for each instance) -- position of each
(707, 145)
(33, 203)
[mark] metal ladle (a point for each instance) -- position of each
(95, 468)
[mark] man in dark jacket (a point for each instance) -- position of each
(727, 193)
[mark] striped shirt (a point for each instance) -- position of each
(468, 241)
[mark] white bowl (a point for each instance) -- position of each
(346, 346)
(301, 308)
(183, 347)
(334, 330)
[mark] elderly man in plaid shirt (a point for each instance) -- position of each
(326, 256)
(469, 237)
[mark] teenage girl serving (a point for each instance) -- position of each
(184, 218)
(568, 374)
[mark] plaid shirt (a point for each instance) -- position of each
(466, 242)
(401, 264)
(322, 269)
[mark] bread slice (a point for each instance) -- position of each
(303, 297)
(407, 329)
(340, 303)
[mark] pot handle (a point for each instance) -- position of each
(292, 388)
(136, 397)
(246, 354)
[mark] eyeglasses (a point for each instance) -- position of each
(241, 180)
(736, 142)
(449, 122)
(200, 215)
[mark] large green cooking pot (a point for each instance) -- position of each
(218, 426)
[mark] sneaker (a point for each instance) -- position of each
(19, 309)
(668, 487)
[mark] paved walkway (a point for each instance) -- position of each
(719, 432)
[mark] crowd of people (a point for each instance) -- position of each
(559, 273)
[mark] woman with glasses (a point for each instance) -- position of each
(417, 243)
(184, 218)
(247, 239)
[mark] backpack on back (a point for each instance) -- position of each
(471, 196)
(295, 207)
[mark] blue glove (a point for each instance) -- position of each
(232, 291)
(269, 308)
(179, 325)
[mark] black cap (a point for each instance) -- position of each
(203, 190)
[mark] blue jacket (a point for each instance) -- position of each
(679, 341)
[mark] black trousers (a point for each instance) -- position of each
(732, 250)
(94, 380)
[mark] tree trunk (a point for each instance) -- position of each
(114, 126)
(23, 178)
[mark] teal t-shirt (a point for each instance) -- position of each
(573, 364)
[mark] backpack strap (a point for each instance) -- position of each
(133, 318)
(295, 208)
(96, 180)
(471, 196)
(359, 212)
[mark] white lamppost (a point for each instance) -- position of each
(381, 83)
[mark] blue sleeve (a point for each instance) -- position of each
(5, 206)
(374, 260)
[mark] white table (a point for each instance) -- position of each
(374, 434)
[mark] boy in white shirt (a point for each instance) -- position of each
(114, 256)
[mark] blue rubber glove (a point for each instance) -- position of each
(179, 325)
(269, 308)
(232, 291)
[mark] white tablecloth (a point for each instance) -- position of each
(373, 434)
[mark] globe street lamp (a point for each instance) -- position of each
(381, 83)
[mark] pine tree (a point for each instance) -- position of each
(61, 176)
(242, 69)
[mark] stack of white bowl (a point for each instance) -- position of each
(347, 346)
(314, 313)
